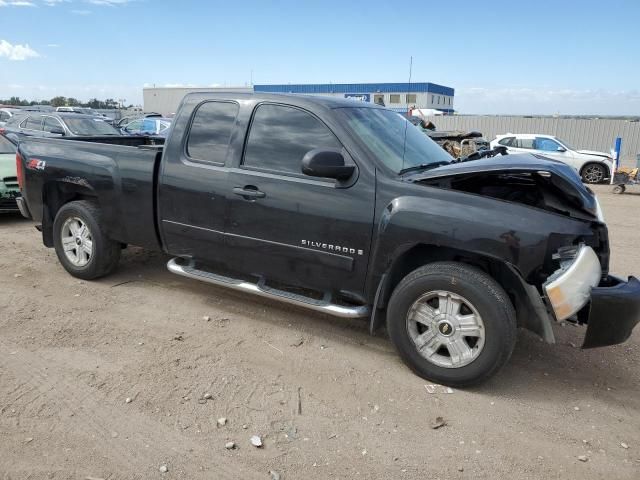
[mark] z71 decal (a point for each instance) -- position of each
(35, 164)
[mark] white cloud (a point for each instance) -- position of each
(546, 101)
(133, 93)
(109, 3)
(54, 3)
(16, 3)
(16, 52)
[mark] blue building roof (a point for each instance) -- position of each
(424, 87)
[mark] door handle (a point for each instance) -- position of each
(249, 192)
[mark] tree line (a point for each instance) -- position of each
(61, 101)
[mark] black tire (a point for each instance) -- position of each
(618, 189)
(489, 300)
(594, 173)
(105, 252)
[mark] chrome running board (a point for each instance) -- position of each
(187, 269)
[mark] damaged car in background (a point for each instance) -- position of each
(457, 143)
(343, 209)
(9, 190)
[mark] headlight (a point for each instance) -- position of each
(569, 288)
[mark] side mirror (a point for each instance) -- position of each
(57, 131)
(562, 149)
(327, 163)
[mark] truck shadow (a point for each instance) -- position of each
(11, 219)
(537, 371)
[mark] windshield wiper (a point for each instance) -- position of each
(423, 166)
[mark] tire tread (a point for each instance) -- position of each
(106, 251)
(475, 276)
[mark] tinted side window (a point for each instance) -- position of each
(506, 141)
(211, 130)
(134, 126)
(51, 123)
(546, 144)
(280, 136)
(149, 126)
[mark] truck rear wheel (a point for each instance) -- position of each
(80, 242)
(452, 323)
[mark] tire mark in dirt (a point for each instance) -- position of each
(88, 412)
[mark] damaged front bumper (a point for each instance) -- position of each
(612, 313)
(609, 306)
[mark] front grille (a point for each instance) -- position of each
(11, 182)
(600, 244)
(8, 204)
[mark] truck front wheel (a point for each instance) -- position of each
(80, 242)
(452, 323)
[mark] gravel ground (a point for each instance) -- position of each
(125, 377)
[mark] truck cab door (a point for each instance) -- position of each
(193, 181)
(292, 228)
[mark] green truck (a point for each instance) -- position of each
(9, 190)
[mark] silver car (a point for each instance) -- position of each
(7, 113)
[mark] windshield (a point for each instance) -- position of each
(565, 143)
(89, 126)
(6, 146)
(392, 139)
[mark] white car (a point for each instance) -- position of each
(593, 167)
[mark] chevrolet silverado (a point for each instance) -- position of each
(346, 209)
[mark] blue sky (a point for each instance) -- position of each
(542, 57)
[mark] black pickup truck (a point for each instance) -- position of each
(346, 209)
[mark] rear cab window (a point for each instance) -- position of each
(281, 135)
(210, 131)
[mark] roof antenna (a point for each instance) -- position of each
(409, 84)
(404, 147)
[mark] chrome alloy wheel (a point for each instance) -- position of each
(446, 329)
(593, 173)
(77, 242)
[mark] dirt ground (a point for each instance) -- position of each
(328, 400)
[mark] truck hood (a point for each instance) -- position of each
(560, 177)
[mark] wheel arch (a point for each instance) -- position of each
(56, 194)
(530, 310)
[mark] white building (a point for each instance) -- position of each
(396, 96)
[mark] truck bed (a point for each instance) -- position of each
(117, 172)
